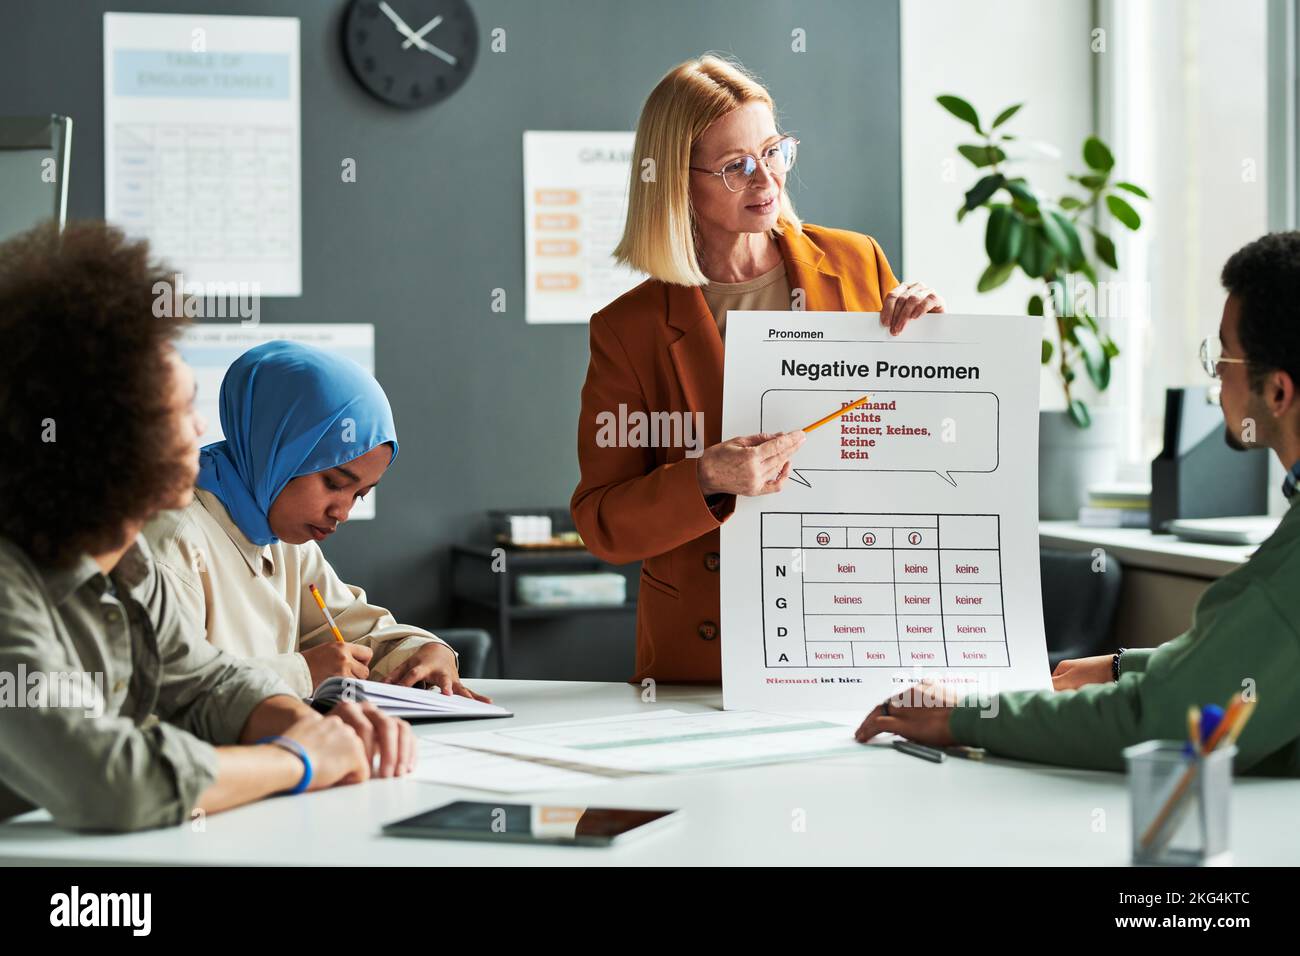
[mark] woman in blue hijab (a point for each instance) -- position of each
(307, 435)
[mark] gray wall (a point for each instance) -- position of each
(485, 404)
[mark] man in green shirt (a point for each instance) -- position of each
(115, 713)
(1245, 631)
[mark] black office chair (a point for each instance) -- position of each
(473, 644)
(1079, 604)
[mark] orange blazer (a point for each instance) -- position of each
(656, 348)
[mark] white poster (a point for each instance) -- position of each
(201, 145)
(575, 203)
(905, 545)
(210, 348)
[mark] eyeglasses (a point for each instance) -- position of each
(1212, 357)
(739, 173)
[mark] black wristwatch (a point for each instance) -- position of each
(1114, 664)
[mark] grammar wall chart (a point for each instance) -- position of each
(905, 544)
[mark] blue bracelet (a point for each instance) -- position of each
(298, 751)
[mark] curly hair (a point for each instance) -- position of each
(1265, 277)
(85, 380)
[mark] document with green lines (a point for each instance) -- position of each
(671, 741)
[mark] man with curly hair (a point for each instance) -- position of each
(117, 715)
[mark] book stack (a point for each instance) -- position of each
(1117, 504)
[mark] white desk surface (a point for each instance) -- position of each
(1140, 548)
(879, 808)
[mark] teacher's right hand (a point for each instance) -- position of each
(748, 465)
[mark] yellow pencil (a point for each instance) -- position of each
(338, 635)
(834, 415)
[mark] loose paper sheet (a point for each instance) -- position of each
(670, 741)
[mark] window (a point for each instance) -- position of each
(1183, 100)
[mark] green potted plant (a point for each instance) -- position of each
(1043, 238)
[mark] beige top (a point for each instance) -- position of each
(769, 292)
(119, 699)
(253, 600)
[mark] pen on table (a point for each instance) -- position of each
(966, 753)
(920, 750)
(834, 415)
(338, 635)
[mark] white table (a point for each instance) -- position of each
(877, 808)
(1139, 548)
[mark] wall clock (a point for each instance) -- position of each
(410, 53)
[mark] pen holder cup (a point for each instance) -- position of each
(1179, 804)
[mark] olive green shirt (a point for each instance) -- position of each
(121, 737)
(1245, 635)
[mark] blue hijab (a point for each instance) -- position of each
(289, 410)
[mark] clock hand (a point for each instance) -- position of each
(441, 54)
(401, 26)
(419, 34)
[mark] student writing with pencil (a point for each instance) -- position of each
(307, 435)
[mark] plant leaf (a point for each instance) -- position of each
(1005, 115)
(1069, 202)
(1079, 413)
(1097, 155)
(1035, 253)
(1105, 248)
(1134, 189)
(981, 156)
(1089, 181)
(1095, 359)
(995, 275)
(1063, 237)
(980, 193)
(1003, 236)
(1047, 351)
(1035, 306)
(1020, 190)
(1123, 212)
(961, 109)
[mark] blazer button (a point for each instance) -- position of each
(708, 630)
(711, 561)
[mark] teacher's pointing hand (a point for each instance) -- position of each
(748, 465)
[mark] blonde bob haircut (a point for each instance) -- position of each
(659, 237)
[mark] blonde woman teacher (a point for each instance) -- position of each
(715, 230)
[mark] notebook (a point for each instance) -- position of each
(410, 703)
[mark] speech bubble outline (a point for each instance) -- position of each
(797, 474)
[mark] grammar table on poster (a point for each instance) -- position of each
(904, 547)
